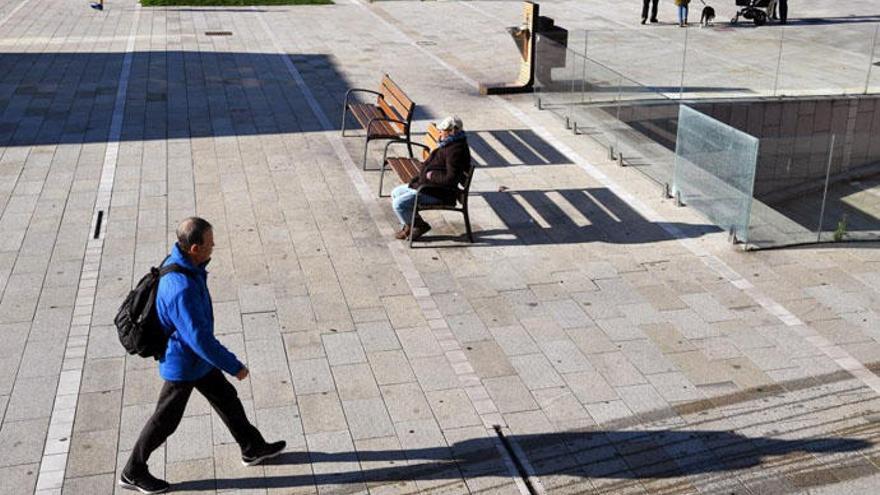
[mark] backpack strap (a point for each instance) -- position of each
(173, 267)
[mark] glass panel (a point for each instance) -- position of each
(629, 118)
(813, 64)
(789, 184)
(721, 63)
(852, 206)
(649, 65)
(557, 74)
(873, 79)
(715, 170)
(791, 203)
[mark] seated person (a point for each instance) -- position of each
(445, 168)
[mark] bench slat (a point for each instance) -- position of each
(405, 168)
(432, 140)
(392, 113)
(397, 98)
(433, 135)
(363, 113)
(394, 90)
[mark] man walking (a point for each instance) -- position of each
(193, 360)
(653, 10)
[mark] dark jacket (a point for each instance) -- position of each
(187, 315)
(448, 163)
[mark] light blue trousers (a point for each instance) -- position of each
(403, 200)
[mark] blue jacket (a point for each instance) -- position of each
(187, 316)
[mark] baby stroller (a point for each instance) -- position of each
(756, 10)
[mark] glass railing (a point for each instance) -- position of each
(820, 188)
(872, 80)
(715, 170)
(633, 121)
(626, 93)
(828, 60)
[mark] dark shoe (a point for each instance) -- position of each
(266, 451)
(644, 20)
(654, 21)
(402, 233)
(145, 483)
(419, 229)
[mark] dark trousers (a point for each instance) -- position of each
(653, 9)
(169, 411)
(783, 10)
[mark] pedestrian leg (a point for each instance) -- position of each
(224, 399)
(403, 200)
(165, 419)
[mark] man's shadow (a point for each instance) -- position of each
(589, 454)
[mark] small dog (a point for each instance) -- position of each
(708, 16)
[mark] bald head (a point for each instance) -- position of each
(191, 232)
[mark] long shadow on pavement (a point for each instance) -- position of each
(588, 454)
(568, 216)
(57, 98)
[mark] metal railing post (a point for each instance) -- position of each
(779, 60)
(683, 65)
(871, 59)
(825, 193)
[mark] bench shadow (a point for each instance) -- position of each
(520, 146)
(577, 454)
(58, 98)
(537, 217)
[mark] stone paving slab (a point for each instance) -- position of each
(615, 357)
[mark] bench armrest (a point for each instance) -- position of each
(433, 186)
(402, 141)
(359, 90)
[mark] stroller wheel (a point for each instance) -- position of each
(760, 18)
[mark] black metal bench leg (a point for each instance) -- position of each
(467, 225)
(381, 177)
(366, 144)
(344, 112)
(412, 223)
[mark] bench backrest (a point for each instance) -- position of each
(432, 140)
(394, 102)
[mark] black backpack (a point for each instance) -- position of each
(137, 322)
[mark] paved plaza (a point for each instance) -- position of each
(618, 343)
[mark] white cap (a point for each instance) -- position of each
(449, 123)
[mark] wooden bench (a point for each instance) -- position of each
(388, 118)
(407, 168)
